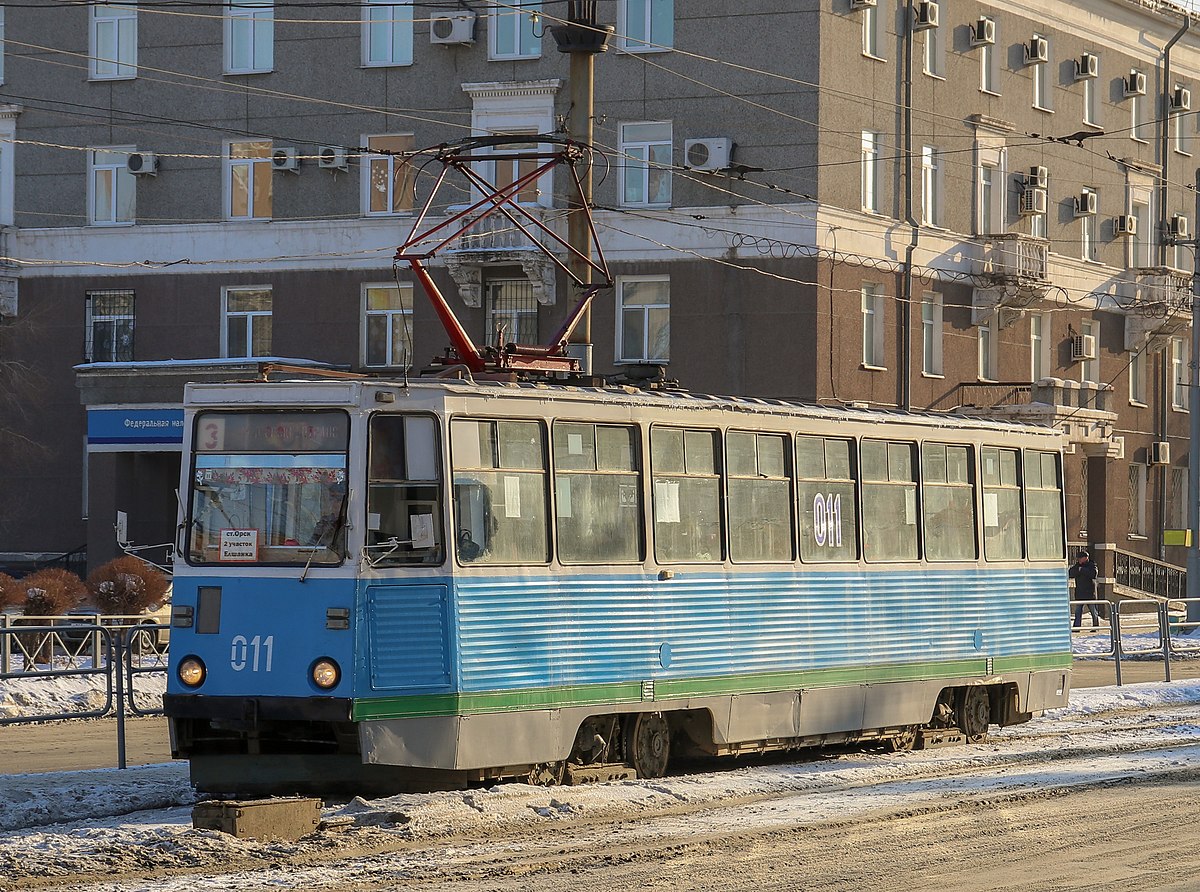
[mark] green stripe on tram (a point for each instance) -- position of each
(467, 703)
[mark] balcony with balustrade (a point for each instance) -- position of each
(1156, 303)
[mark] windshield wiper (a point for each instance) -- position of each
(321, 544)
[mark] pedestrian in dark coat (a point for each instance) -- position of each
(1083, 571)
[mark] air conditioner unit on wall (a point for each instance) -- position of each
(710, 153)
(1037, 50)
(1087, 66)
(1125, 225)
(861, 4)
(983, 32)
(1180, 227)
(1033, 201)
(285, 159)
(1181, 100)
(332, 158)
(1083, 347)
(1086, 204)
(1159, 453)
(1038, 177)
(1135, 84)
(925, 15)
(142, 163)
(452, 28)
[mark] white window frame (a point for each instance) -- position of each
(932, 180)
(515, 18)
(647, 38)
(870, 171)
(989, 65)
(990, 194)
(1039, 346)
(629, 165)
(257, 19)
(935, 51)
(3, 45)
(1137, 123)
(1137, 499)
(91, 317)
(256, 167)
(619, 290)
(1180, 377)
(872, 30)
(405, 312)
(392, 22)
(1140, 251)
(987, 347)
(873, 311)
(932, 334)
(369, 164)
(1137, 378)
(250, 317)
(1089, 231)
(1089, 369)
(1179, 133)
(116, 60)
(1042, 71)
(1091, 101)
(120, 176)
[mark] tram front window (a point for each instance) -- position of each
(269, 488)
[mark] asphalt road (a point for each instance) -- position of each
(92, 743)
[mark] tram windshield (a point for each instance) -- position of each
(269, 488)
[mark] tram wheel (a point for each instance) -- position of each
(648, 744)
(547, 774)
(975, 713)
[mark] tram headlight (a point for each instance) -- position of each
(326, 673)
(191, 671)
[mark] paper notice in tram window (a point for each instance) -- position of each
(666, 501)
(563, 493)
(373, 521)
(991, 509)
(910, 506)
(628, 494)
(422, 531)
(512, 496)
(575, 444)
(239, 546)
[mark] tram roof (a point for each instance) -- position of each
(322, 390)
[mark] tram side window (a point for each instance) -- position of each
(597, 493)
(500, 492)
(889, 500)
(948, 481)
(1001, 504)
(687, 495)
(404, 502)
(828, 519)
(760, 495)
(1043, 506)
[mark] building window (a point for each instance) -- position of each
(931, 185)
(510, 312)
(509, 170)
(511, 32)
(1039, 347)
(1179, 128)
(1179, 374)
(388, 32)
(1137, 377)
(111, 185)
(108, 327)
(931, 334)
(990, 204)
(643, 319)
(2, 44)
(872, 25)
(114, 41)
(646, 156)
(1041, 82)
(1137, 500)
(387, 325)
(1179, 496)
(987, 349)
(249, 36)
(935, 50)
(389, 181)
(1091, 101)
(1089, 244)
(247, 328)
(646, 25)
(1141, 245)
(872, 326)
(248, 180)
(1089, 369)
(989, 67)
(1137, 122)
(870, 171)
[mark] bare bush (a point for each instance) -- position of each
(11, 594)
(51, 592)
(126, 586)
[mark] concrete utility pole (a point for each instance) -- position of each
(582, 38)
(1193, 496)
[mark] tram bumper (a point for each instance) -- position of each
(245, 713)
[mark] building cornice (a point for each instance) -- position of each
(512, 89)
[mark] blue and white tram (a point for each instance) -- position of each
(389, 586)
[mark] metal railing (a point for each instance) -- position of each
(1149, 576)
(1137, 629)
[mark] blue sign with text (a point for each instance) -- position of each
(135, 427)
